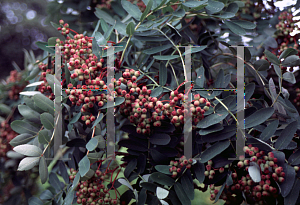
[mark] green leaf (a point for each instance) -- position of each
(193, 4)
(69, 198)
(35, 201)
(104, 26)
(29, 114)
(233, 8)
(163, 169)
(54, 181)
(108, 33)
(181, 194)
(291, 61)
(162, 179)
(43, 46)
(75, 181)
(249, 90)
(269, 131)
(212, 119)
(272, 58)
(211, 129)
(288, 52)
(187, 185)
(226, 15)
(33, 73)
(28, 150)
(22, 127)
(196, 49)
(228, 182)
(292, 197)
(28, 163)
(163, 74)
(101, 41)
(180, 13)
(214, 150)
(244, 24)
(147, 10)
(235, 28)
(84, 165)
(44, 103)
(130, 29)
(95, 156)
(166, 57)
(98, 120)
(225, 133)
(160, 139)
(56, 26)
(200, 77)
(46, 195)
(132, 9)
(75, 118)
(88, 175)
(101, 14)
(261, 65)
(287, 184)
(130, 167)
(294, 159)
(199, 169)
(258, 117)
(92, 144)
(289, 77)
(52, 41)
(53, 82)
(44, 137)
(277, 70)
(47, 120)
(156, 92)
(43, 170)
(21, 139)
(287, 107)
(286, 136)
(154, 50)
(5, 109)
(214, 6)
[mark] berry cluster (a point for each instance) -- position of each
(140, 108)
(286, 24)
(143, 110)
(253, 8)
(178, 166)
(65, 29)
(104, 4)
(93, 191)
(210, 171)
(297, 99)
(15, 78)
(6, 135)
(271, 172)
(45, 88)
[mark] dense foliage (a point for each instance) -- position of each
(151, 107)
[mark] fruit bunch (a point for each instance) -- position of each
(178, 166)
(271, 173)
(286, 24)
(297, 99)
(210, 171)
(253, 8)
(6, 135)
(45, 88)
(94, 191)
(17, 84)
(141, 109)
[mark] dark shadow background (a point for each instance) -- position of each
(22, 23)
